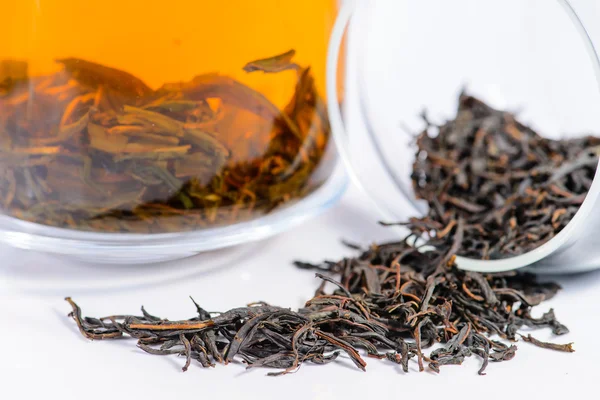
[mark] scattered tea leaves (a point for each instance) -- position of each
(376, 308)
(567, 348)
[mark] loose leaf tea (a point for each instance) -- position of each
(390, 303)
(94, 148)
(567, 348)
(514, 189)
(274, 64)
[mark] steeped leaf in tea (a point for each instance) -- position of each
(92, 147)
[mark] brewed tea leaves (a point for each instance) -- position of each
(96, 75)
(277, 63)
(73, 141)
(12, 73)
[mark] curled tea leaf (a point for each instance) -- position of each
(278, 63)
(138, 151)
(141, 135)
(174, 105)
(156, 122)
(66, 132)
(95, 75)
(206, 142)
(100, 139)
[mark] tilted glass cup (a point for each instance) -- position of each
(534, 58)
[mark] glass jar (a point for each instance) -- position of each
(136, 131)
(532, 59)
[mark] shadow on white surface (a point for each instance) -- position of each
(361, 227)
(43, 274)
(67, 322)
(577, 282)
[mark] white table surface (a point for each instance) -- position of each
(43, 355)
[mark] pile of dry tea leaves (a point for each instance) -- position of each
(391, 302)
(514, 189)
(94, 148)
(494, 188)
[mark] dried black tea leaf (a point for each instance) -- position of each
(391, 302)
(514, 188)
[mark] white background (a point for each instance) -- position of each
(44, 356)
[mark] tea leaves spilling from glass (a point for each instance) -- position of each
(514, 189)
